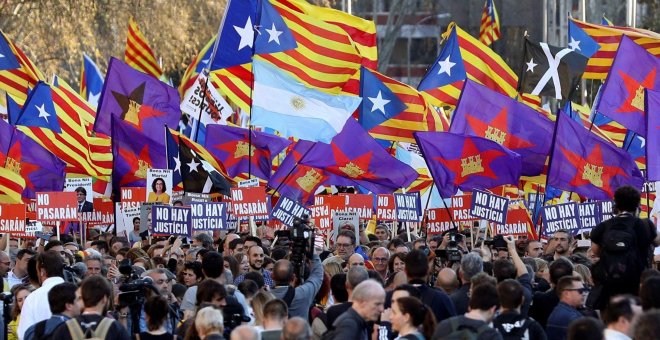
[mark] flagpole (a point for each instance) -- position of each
(250, 147)
(552, 151)
(426, 208)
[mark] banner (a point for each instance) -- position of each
(287, 210)
(606, 210)
(460, 208)
(560, 216)
(251, 201)
(12, 218)
(518, 222)
(103, 214)
(195, 197)
(489, 207)
(408, 207)
(345, 219)
(57, 206)
(132, 196)
(208, 216)
(321, 216)
(361, 204)
(159, 186)
(589, 215)
(170, 220)
(248, 183)
(385, 208)
(438, 221)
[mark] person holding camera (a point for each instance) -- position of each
(298, 299)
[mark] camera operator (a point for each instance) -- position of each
(299, 299)
(50, 267)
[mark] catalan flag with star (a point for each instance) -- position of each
(486, 113)
(467, 162)
(138, 53)
(587, 165)
(489, 30)
(464, 57)
(622, 99)
(242, 153)
(17, 72)
(91, 81)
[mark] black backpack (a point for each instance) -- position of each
(619, 256)
(464, 332)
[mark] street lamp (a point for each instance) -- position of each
(413, 29)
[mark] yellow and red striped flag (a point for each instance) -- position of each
(462, 57)
(11, 186)
(326, 56)
(17, 71)
(608, 38)
(236, 83)
(138, 53)
(489, 30)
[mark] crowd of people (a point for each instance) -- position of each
(367, 286)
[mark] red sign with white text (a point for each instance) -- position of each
(438, 221)
(385, 208)
(460, 206)
(361, 204)
(250, 201)
(103, 214)
(518, 223)
(12, 218)
(320, 216)
(132, 196)
(57, 206)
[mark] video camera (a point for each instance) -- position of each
(452, 253)
(496, 242)
(301, 238)
(133, 292)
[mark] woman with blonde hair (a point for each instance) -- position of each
(20, 292)
(257, 304)
(243, 263)
(585, 273)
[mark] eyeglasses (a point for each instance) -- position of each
(343, 245)
(582, 290)
(6, 263)
(160, 282)
(380, 259)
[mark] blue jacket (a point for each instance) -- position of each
(559, 319)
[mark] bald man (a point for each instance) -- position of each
(368, 301)
(447, 280)
(296, 329)
(355, 260)
(380, 258)
(244, 332)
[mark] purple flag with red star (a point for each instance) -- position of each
(6, 132)
(231, 146)
(299, 182)
(41, 170)
(467, 162)
(588, 165)
(355, 155)
(133, 154)
(486, 113)
(633, 70)
(653, 135)
(137, 99)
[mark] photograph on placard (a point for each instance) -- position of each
(344, 220)
(145, 216)
(159, 185)
(82, 186)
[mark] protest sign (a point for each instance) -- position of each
(385, 208)
(208, 216)
(589, 215)
(287, 210)
(84, 185)
(177, 196)
(362, 204)
(248, 183)
(103, 214)
(518, 223)
(460, 208)
(159, 186)
(606, 210)
(560, 216)
(250, 202)
(345, 219)
(408, 207)
(33, 227)
(169, 220)
(320, 216)
(195, 197)
(132, 196)
(145, 216)
(12, 218)
(333, 202)
(489, 207)
(57, 206)
(438, 221)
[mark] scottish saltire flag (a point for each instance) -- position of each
(11, 186)
(173, 158)
(355, 155)
(17, 72)
(281, 103)
(467, 162)
(580, 41)
(91, 81)
(204, 106)
(242, 153)
(486, 113)
(633, 70)
(489, 30)
(464, 57)
(653, 135)
(391, 110)
(41, 170)
(138, 54)
(237, 34)
(587, 165)
(133, 154)
(137, 99)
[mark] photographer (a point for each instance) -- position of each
(298, 299)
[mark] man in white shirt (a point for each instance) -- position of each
(619, 317)
(19, 273)
(49, 268)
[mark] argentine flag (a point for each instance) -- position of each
(282, 103)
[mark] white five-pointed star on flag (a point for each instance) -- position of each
(42, 112)
(531, 65)
(378, 102)
(574, 44)
(177, 162)
(274, 34)
(445, 66)
(193, 165)
(246, 33)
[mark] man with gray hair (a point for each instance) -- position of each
(296, 329)
(368, 303)
(380, 259)
(203, 240)
(244, 332)
(471, 264)
(355, 276)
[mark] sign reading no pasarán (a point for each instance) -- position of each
(57, 206)
(12, 218)
(250, 202)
